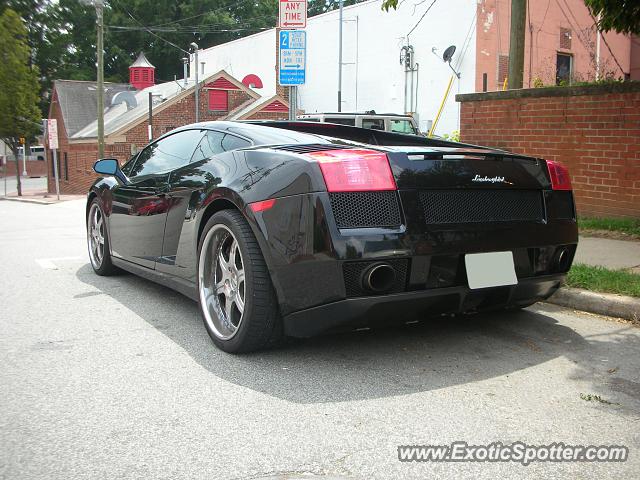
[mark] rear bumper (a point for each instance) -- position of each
(314, 263)
(408, 306)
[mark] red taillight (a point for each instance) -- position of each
(263, 205)
(355, 170)
(559, 175)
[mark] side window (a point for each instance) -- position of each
(401, 126)
(167, 154)
(231, 142)
(374, 123)
(342, 121)
(210, 145)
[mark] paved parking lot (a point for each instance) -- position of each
(116, 378)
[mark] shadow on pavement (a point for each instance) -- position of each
(431, 355)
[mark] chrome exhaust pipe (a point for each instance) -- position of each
(379, 278)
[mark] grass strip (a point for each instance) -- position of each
(626, 225)
(600, 279)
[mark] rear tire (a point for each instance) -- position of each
(98, 241)
(235, 293)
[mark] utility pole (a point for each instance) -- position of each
(340, 60)
(516, 43)
(195, 55)
(100, 93)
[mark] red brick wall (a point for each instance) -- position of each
(35, 168)
(79, 175)
(262, 115)
(594, 130)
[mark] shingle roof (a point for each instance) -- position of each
(78, 103)
(118, 116)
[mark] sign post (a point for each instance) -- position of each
(292, 64)
(52, 131)
(23, 142)
(292, 48)
(4, 173)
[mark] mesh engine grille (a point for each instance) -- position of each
(352, 272)
(366, 209)
(311, 147)
(471, 206)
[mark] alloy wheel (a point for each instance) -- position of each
(95, 236)
(222, 282)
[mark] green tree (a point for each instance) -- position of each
(623, 16)
(19, 113)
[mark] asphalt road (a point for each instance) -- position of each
(28, 184)
(116, 378)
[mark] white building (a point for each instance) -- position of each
(373, 77)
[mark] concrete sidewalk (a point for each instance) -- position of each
(612, 254)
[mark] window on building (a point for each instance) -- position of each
(564, 68)
(565, 38)
(503, 69)
(66, 167)
(166, 154)
(219, 100)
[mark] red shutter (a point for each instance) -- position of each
(218, 100)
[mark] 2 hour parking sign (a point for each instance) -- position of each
(293, 56)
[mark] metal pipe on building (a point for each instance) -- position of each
(197, 92)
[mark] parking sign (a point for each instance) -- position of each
(293, 56)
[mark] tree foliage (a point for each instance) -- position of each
(62, 33)
(622, 16)
(19, 114)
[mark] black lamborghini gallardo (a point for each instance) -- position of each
(295, 228)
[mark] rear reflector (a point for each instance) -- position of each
(355, 170)
(559, 175)
(263, 205)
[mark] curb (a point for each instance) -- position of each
(601, 303)
(27, 200)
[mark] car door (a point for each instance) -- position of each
(211, 164)
(139, 209)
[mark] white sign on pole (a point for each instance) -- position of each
(52, 131)
(292, 14)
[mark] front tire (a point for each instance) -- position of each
(98, 241)
(235, 294)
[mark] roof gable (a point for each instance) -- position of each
(77, 101)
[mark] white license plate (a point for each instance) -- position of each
(492, 269)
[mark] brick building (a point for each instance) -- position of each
(594, 130)
(126, 117)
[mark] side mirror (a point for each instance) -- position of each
(106, 166)
(110, 166)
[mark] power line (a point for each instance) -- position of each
(615, 59)
(152, 33)
(194, 29)
(216, 10)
